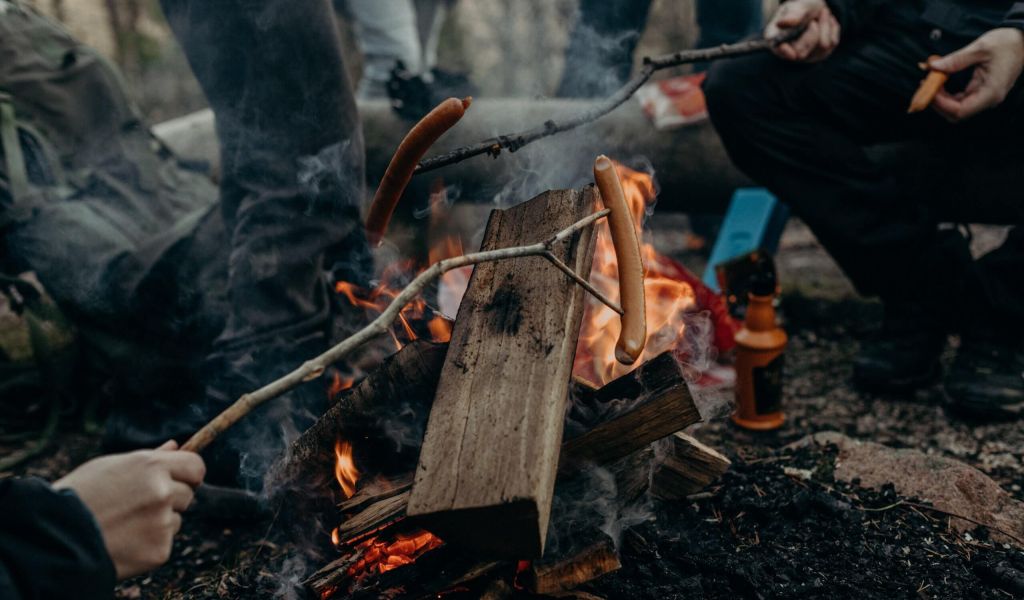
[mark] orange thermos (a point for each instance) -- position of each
(759, 362)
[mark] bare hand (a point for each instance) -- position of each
(137, 499)
(997, 58)
(817, 42)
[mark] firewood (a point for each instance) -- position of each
(663, 406)
(487, 468)
(550, 576)
(375, 517)
(689, 467)
(655, 386)
(375, 493)
(364, 413)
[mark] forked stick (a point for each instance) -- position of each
(314, 368)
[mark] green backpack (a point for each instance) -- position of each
(125, 240)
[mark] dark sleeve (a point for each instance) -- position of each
(1015, 18)
(50, 545)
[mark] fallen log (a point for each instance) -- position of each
(687, 468)
(487, 467)
(691, 162)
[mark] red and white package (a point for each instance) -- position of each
(674, 102)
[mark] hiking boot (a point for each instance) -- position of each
(903, 356)
(986, 380)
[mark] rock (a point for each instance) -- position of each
(949, 485)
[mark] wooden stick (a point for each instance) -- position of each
(515, 141)
(315, 367)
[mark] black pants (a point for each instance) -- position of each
(804, 131)
(292, 181)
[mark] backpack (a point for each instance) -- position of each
(126, 240)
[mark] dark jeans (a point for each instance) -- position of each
(804, 131)
(292, 180)
(600, 53)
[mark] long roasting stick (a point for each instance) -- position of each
(313, 368)
(515, 141)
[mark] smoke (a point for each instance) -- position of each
(290, 576)
(695, 349)
(593, 502)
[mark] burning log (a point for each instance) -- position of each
(487, 468)
(365, 413)
(689, 467)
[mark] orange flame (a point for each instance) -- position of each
(382, 555)
(345, 470)
(667, 298)
(412, 319)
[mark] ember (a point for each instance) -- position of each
(382, 555)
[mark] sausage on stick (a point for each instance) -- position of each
(633, 335)
(400, 170)
(930, 86)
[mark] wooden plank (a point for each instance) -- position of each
(487, 468)
(688, 468)
(663, 406)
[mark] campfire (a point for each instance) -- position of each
(616, 413)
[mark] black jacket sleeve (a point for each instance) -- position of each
(1015, 18)
(50, 545)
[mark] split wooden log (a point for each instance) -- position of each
(663, 405)
(487, 468)
(577, 566)
(688, 468)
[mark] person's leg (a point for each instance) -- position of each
(801, 131)
(291, 186)
(388, 31)
(600, 53)
(430, 16)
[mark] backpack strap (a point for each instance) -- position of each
(14, 160)
(22, 197)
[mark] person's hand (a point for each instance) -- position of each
(997, 58)
(817, 42)
(137, 499)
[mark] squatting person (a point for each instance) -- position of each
(805, 123)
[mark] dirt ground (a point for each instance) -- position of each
(761, 533)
